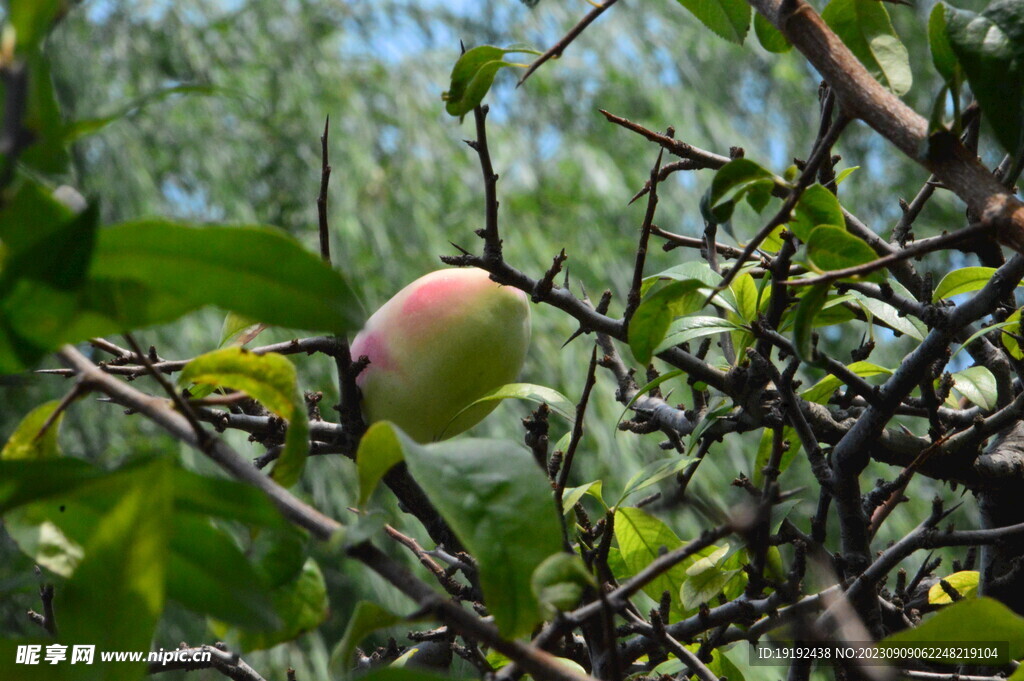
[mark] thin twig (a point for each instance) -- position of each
(321, 201)
(558, 48)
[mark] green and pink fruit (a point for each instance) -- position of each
(441, 343)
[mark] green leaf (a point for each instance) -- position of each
(235, 325)
(833, 248)
(25, 481)
(367, 617)
(258, 272)
(25, 443)
(745, 291)
(228, 500)
(943, 56)
(572, 495)
(817, 206)
(911, 326)
(642, 538)
(730, 19)
(961, 281)
(821, 391)
(686, 329)
(652, 474)
(125, 563)
(803, 321)
(1009, 338)
(865, 28)
(208, 574)
(978, 385)
(538, 394)
(964, 582)
(300, 604)
(706, 578)
(694, 269)
(559, 582)
(473, 75)
(845, 173)
(379, 451)
(989, 48)
(32, 20)
(737, 179)
(651, 320)
(499, 504)
(770, 37)
(42, 119)
(48, 255)
(967, 621)
(270, 379)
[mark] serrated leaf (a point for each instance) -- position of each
(964, 582)
(537, 394)
(961, 281)
(978, 385)
(865, 27)
(729, 19)
(269, 379)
